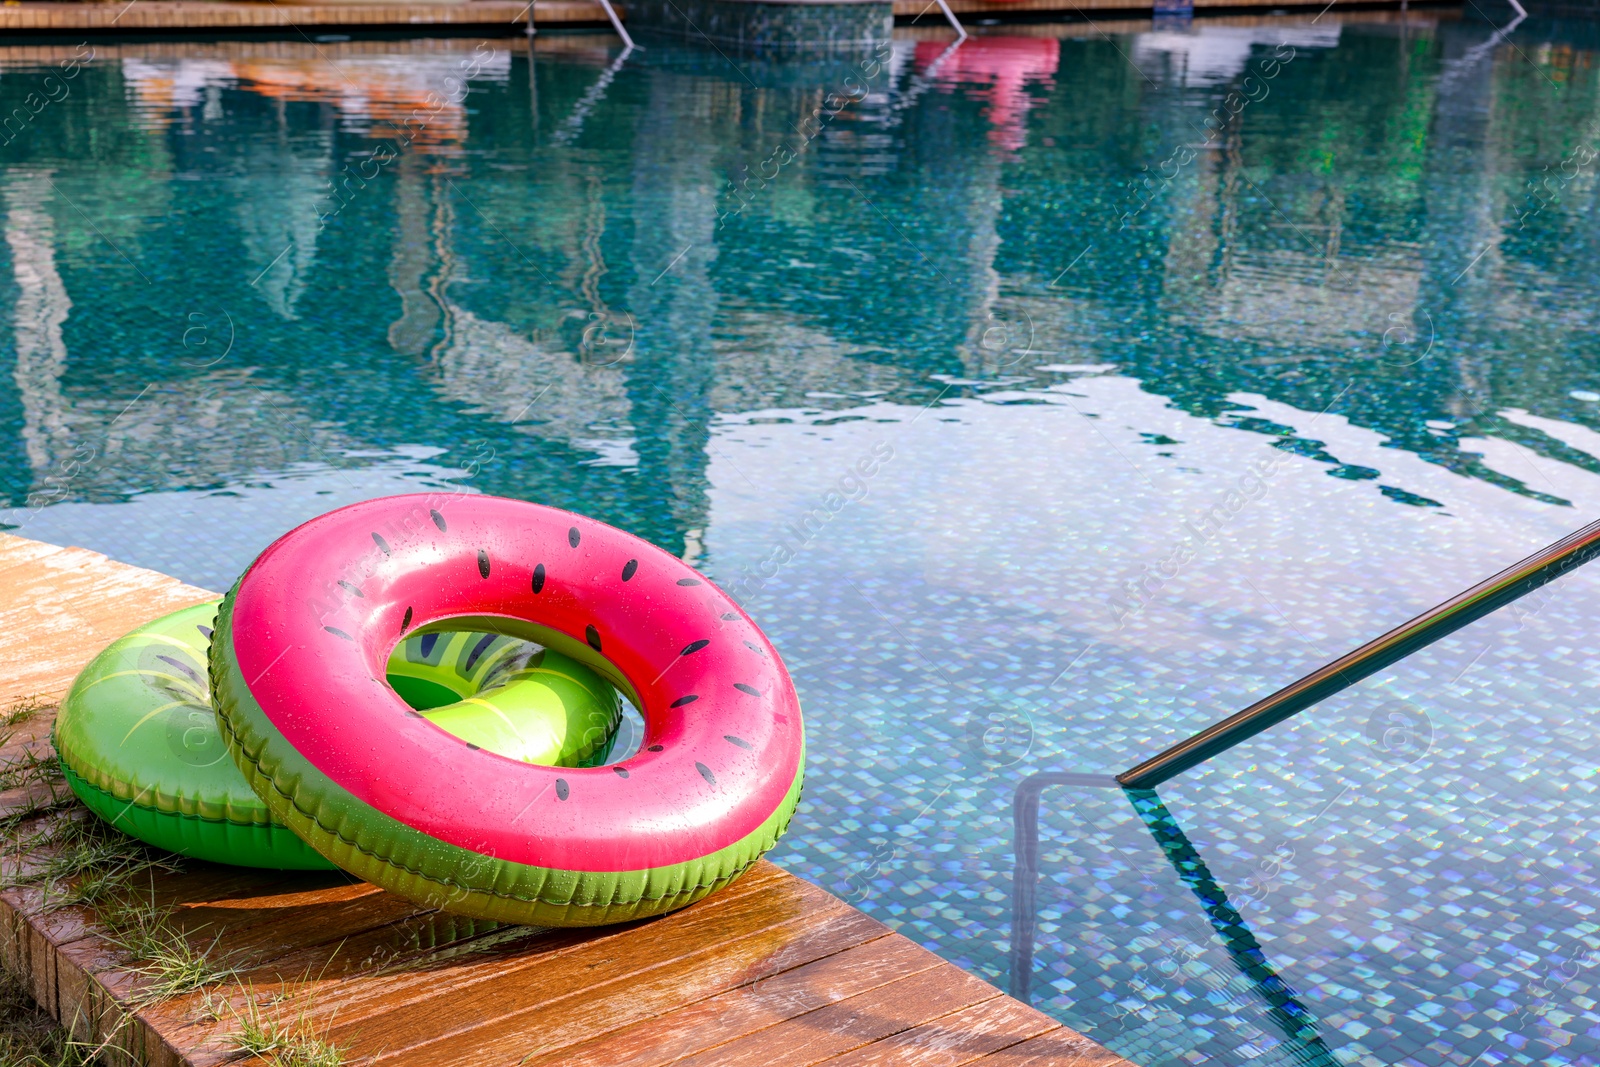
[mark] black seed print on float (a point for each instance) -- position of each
(205, 632)
(741, 742)
(653, 748)
(335, 631)
(185, 668)
(729, 616)
(561, 788)
(428, 641)
(538, 578)
(752, 690)
(474, 747)
(477, 650)
(405, 623)
(438, 520)
(681, 701)
(593, 637)
(693, 647)
(688, 581)
(381, 543)
(622, 771)
(350, 587)
(573, 537)
(705, 772)
(629, 568)
(483, 563)
(753, 647)
(414, 713)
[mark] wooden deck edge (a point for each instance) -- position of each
(495, 17)
(502, 16)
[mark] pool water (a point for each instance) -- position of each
(1054, 397)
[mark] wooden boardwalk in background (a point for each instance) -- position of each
(771, 972)
(224, 16)
(504, 17)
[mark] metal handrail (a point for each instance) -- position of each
(1515, 581)
(616, 24)
(1025, 874)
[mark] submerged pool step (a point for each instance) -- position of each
(772, 970)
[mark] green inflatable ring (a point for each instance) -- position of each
(138, 740)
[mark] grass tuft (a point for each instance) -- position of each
(87, 861)
(283, 1044)
(33, 766)
(24, 710)
(164, 956)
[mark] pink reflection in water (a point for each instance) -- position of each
(1007, 65)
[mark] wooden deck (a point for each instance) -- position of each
(504, 17)
(495, 17)
(771, 972)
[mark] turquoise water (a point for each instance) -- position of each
(1053, 399)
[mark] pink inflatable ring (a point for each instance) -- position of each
(297, 671)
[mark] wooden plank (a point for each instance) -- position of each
(828, 1031)
(1058, 1048)
(223, 14)
(547, 1024)
(752, 1007)
(291, 14)
(951, 1040)
(61, 603)
(364, 981)
(417, 1010)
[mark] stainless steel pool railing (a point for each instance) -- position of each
(1545, 565)
(1025, 873)
(1514, 582)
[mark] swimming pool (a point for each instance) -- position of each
(1055, 397)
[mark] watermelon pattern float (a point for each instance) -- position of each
(139, 743)
(297, 672)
